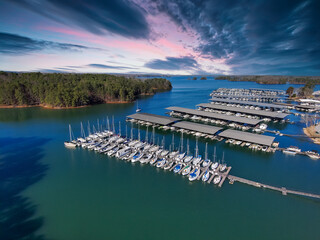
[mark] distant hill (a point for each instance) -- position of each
(271, 79)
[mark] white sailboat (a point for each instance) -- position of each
(138, 109)
(71, 143)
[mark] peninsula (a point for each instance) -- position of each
(61, 90)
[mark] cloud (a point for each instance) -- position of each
(16, 44)
(173, 63)
(122, 17)
(96, 65)
(247, 34)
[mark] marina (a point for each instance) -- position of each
(133, 150)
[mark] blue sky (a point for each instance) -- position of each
(161, 36)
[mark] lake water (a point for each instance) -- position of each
(50, 192)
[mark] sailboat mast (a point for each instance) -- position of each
(196, 147)
(120, 128)
(139, 133)
(206, 153)
(172, 141)
(188, 146)
(181, 141)
(147, 134)
(153, 135)
(126, 131)
(114, 129)
(108, 123)
(89, 132)
(214, 154)
(70, 132)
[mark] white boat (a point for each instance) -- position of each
(71, 143)
(186, 170)
(177, 168)
(113, 151)
(205, 176)
(180, 156)
(138, 109)
(188, 159)
(214, 165)
(137, 157)
(194, 175)
(146, 159)
(196, 160)
(169, 165)
(216, 179)
(205, 163)
(153, 160)
(161, 163)
(173, 154)
(164, 153)
(313, 154)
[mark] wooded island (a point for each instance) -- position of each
(60, 90)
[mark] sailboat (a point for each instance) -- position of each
(138, 109)
(223, 166)
(206, 161)
(72, 143)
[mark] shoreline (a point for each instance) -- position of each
(315, 139)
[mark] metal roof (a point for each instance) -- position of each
(267, 105)
(219, 116)
(244, 110)
(203, 128)
(153, 118)
(248, 137)
(245, 96)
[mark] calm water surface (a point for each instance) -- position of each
(56, 193)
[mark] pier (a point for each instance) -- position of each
(283, 190)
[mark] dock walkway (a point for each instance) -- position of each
(283, 190)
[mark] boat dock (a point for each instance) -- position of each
(283, 190)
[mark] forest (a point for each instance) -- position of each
(73, 90)
(271, 79)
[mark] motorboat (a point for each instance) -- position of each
(313, 154)
(205, 176)
(173, 154)
(194, 175)
(146, 159)
(292, 150)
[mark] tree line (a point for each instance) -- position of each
(271, 79)
(72, 90)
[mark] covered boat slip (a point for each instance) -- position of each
(245, 96)
(223, 117)
(254, 112)
(249, 103)
(202, 128)
(248, 137)
(153, 118)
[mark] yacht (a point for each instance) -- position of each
(194, 175)
(186, 170)
(164, 153)
(113, 151)
(177, 168)
(216, 179)
(292, 150)
(206, 176)
(173, 154)
(313, 154)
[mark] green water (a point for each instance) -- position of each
(78, 194)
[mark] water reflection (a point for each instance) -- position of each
(20, 167)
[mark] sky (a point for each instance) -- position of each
(264, 37)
